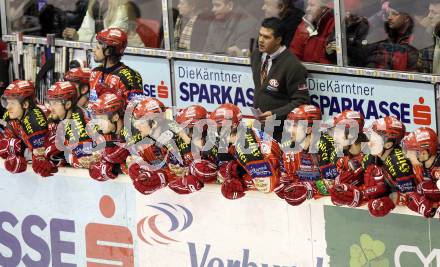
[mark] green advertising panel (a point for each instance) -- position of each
(356, 239)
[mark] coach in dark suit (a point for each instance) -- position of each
(279, 77)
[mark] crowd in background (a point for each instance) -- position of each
(386, 34)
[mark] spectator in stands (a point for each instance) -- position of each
(252, 7)
(357, 28)
(23, 16)
(314, 33)
(352, 6)
(421, 37)
(429, 58)
(376, 21)
(191, 26)
(75, 17)
(395, 52)
(54, 18)
(134, 15)
(232, 29)
(299, 4)
(148, 21)
(285, 10)
(174, 14)
(356, 32)
(421, 13)
(101, 14)
(433, 16)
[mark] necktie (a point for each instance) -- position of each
(264, 67)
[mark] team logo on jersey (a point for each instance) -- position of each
(259, 170)
(274, 83)
(302, 87)
(93, 96)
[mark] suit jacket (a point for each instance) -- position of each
(200, 31)
(285, 87)
(236, 30)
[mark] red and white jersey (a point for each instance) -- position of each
(119, 80)
(305, 166)
(32, 129)
(262, 163)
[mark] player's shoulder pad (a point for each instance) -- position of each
(129, 77)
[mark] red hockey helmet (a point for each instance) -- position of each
(148, 106)
(421, 139)
(226, 112)
(108, 103)
(113, 37)
(20, 89)
(390, 128)
(191, 115)
(62, 91)
(78, 75)
(347, 117)
(308, 113)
